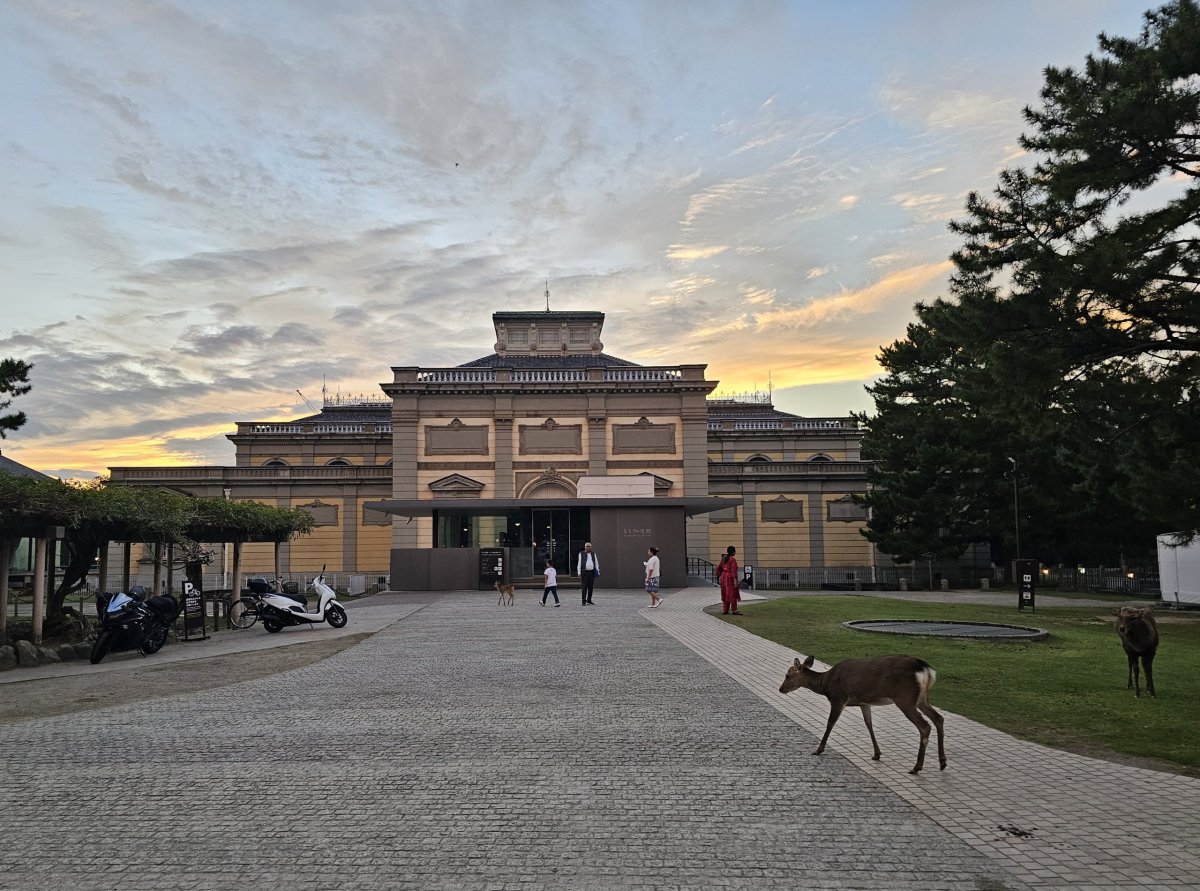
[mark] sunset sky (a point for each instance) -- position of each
(211, 205)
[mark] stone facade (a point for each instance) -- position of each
(525, 425)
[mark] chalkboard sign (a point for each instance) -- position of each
(491, 565)
(193, 613)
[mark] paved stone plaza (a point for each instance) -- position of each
(467, 745)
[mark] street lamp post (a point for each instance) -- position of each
(1016, 509)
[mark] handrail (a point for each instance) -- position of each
(701, 568)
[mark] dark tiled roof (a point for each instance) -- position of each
(551, 314)
(719, 409)
(357, 414)
(12, 468)
(527, 360)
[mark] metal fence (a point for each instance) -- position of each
(352, 583)
(1142, 581)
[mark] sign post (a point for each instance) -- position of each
(194, 625)
(491, 567)
(1027, 571)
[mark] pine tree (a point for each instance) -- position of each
(14, 381)
(1071, 338)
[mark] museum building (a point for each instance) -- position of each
(543, 444)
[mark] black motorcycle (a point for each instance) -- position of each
(133, 622)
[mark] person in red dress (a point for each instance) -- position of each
(727, 575)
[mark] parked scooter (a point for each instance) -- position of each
(133, 622)
(278, 609)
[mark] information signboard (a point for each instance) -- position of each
(193, 613)
(1027, 571)
(491, 566)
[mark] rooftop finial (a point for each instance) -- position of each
(547, 295)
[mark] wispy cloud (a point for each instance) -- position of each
(209, 208)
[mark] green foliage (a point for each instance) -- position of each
(1067, 691)
(1071, 337)
(14, 381)
(94, 513)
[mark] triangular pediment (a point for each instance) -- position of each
(456, 482)
(660, 484)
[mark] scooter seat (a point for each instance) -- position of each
(299, 598)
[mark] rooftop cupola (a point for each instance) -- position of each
(548, 333)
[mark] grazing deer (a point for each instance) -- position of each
(1139, 637)
(883, 680)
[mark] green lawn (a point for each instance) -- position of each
(1066, 691)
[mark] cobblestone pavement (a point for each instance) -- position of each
(1051, 819)
(474, 746)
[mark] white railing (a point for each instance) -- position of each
(642, 374)
(356, 401)
(549, 376)
(455, 376)
(301, 429)
(822, 424)
(797, 468)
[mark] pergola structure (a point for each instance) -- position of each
(42, 531)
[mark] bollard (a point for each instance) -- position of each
(903, 584)
(984, 584)
(857, 585)
(945, 584)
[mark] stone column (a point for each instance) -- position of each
(405, 451)
(39, 587)
(694, 441)
(749, 523)
(505, 482)
(816, 527)
(597, 445)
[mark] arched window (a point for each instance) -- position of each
(820, 458)
(337, 462)
(758, 459)
(275, 462)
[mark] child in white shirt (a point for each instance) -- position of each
(550, 581)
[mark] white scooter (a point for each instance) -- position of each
(279, 610)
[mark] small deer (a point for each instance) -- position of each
(1139, 637)
(884, 680)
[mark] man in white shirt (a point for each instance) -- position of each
(587, 567)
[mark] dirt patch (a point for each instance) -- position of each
(45, 697)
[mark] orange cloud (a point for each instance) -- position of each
(909, 284)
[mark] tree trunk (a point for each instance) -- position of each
(82, 549)
(6, 549)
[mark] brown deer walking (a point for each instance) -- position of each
(884, 680)
(1139, 637)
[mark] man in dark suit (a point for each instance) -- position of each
(587, 567)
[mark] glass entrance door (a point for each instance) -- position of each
(552, 539)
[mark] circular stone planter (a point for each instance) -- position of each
(978, 630)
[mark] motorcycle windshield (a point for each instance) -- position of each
(119, 602)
